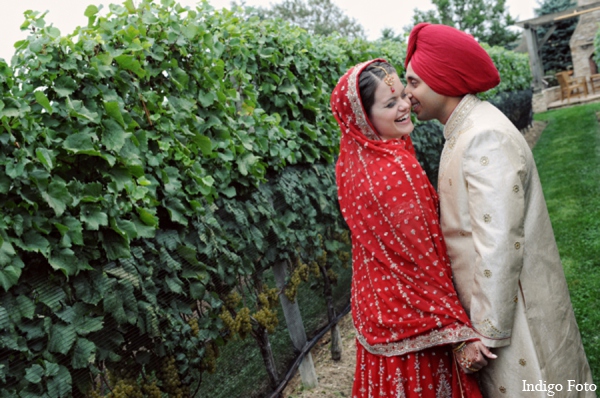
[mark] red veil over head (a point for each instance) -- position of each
(403, 299)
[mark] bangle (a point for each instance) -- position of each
(459, 347)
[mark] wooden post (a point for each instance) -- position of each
(535, 62)
(293, 318)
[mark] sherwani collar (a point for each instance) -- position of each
(459, 114)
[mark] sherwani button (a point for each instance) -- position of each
(487, 218)
(502, 389)
(522, 362)
(516, 189)
(517, 245)
(487, 273)
(484, 161)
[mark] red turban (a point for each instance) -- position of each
(450, 61)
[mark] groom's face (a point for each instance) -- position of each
(426, 103)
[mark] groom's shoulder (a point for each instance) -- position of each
(487, 116)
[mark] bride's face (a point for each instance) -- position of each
(390, 114)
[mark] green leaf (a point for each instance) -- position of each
(130, 6)
(229, 192)
(177, 210)
(61, 338)
(65, 86)
(34, 374)
(41, 98)
(35, 242)
(190, 31)
(246, 162)
(174, 284)
(66, 261)
(46, 157)
(206, 99)
(93, 217)
(59, 386)
(78, 110)
(84, 354)
(123, 274)
(197, 290)
(9, 276)
(113, 135)
(75, 229)
(147, 217)
(26, 306)
(204, 143)
(113, 110)
(115, 245)
(189, 254)
(5, 182)
(125, 228)
(50, 295)
(91, 11)
(57, 196)
(128, 62)
(79, 142)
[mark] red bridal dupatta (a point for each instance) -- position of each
(403, 299)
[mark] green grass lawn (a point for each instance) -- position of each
(568, 161)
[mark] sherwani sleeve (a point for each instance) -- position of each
(494, 168)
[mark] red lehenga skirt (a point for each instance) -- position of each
(430, 373)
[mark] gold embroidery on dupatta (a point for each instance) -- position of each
(357, 109)
(432, 339)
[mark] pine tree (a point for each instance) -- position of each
(556, 52)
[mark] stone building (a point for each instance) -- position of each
(582, 41)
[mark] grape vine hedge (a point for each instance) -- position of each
(154, 163)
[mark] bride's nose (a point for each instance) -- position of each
(404, 103)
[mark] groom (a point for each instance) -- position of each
(505, 262)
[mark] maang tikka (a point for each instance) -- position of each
(388, 79)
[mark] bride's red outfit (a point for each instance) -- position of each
(404, 305)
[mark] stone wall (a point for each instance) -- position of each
(582, 41)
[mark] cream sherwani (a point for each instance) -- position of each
(504, 257)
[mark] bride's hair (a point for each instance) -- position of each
(369, 80)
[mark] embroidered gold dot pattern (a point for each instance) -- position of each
(522, 362)
(487, 218)
(516, 189)
(517, 245)
(487, 273)
(484, 161)
(502, 389)
(516, 299)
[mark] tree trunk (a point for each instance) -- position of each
(336, 339)
(262, 338)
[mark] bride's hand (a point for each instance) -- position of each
(472, 356)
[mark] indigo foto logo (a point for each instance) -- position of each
(550, 389)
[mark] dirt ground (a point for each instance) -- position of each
(335, 377)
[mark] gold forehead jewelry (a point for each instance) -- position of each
(388, 79)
